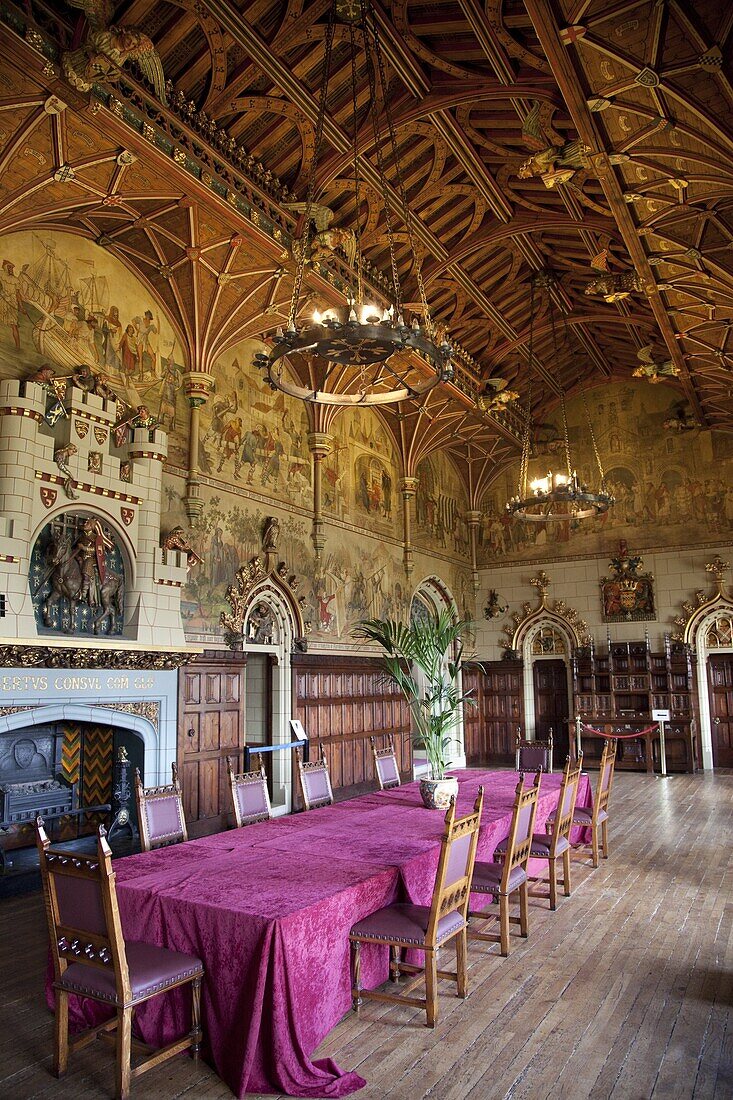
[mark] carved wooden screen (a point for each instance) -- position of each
(342, 702)
(474, 723)
(211, 727)
(503, 708)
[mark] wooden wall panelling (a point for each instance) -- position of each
(474, 716)
(342, 702)
(503, 708)
(210, 727)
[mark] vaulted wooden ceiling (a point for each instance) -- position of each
(632, 98)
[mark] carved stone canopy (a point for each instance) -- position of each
(694, 614)
(251, 577)
(559, 612)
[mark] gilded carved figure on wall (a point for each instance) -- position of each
(108, 48)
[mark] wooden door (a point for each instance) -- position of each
(551, 708)
(210, 727)
(720, 681)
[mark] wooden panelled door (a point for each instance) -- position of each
(551, 706)
(720, 682)
(211, 726)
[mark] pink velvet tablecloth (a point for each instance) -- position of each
(268, 910)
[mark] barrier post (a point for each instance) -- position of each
(578, 743)
(662, 716)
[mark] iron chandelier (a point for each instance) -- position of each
(561, 495)
(362, 353)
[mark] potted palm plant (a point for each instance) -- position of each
(433, 646)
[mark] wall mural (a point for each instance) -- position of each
(440, 507)
(250, 436)
(665, 480)
(66, 302)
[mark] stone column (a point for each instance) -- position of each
(408, 488)
(319, 445)
(473, 519)
(197, 387)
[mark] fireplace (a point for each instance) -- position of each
(31, 779)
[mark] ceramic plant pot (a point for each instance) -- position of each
(437, 793)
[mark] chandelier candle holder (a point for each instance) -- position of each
(556, 496)
(359, 353)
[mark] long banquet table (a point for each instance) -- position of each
(268, 909)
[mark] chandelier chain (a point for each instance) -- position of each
(357, 178)
(306, 235)
(397, 290)
(401, 189)
(526, 442)
(592, 434)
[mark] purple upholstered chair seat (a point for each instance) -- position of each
(152, 969)
(406, 923)
(487, 878)
(582, 816)
(541, 846)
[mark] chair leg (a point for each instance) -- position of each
(523, 910)
(61, 1038)
(195, 1018)
(566, 872)
(395, 958)
(355, 975)
(431, 988)
(461, 963)
(504, 923)
(553, 883)
(124, 1041)
(604, 839)
(595, 847)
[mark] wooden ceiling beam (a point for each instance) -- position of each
(548, 32)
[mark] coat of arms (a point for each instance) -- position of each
(627, 594)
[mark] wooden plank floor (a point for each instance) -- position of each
(626, 992)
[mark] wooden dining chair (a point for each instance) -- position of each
(160, 813)
(425, 928)
(554, 843)
(596, 819)
(385, 764)
(91, 959)
(530, 756)
(250, 797)
(502, 878)
(315, 782)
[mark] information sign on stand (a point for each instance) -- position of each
(662, 716)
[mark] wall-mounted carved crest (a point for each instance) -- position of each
(627, 595)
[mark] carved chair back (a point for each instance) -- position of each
(452, 888)
(250, 797)
(563, 819)
(385, 764)
(81, 909)
(315, 782)
(605, 777)
(530, 756)
(519, 840)
(160, 813)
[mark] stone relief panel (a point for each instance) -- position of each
(667, 478)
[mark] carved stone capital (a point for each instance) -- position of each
(473, 518)
(319, 444)
(408, 486)
(197, 386)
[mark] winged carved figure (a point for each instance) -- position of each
(651, 370)
(555, 162)
(614, 287)
(107, 48)
(327, 238)
(497, 396)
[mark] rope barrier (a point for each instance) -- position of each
(621, 736)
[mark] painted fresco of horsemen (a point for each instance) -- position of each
(75, 569)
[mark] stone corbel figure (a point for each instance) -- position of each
(270, 539)
(176, 540)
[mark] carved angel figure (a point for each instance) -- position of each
(497, 396)
(553, 162)
(108, 48)
(614, 287)
(326, 238)
(654, 372)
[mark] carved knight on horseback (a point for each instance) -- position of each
(78, 574)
